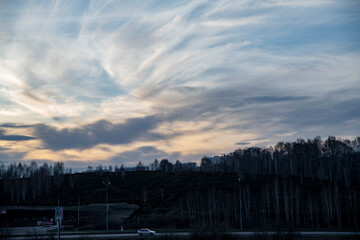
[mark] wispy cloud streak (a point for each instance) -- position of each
(214, 72)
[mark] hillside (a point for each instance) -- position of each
(311, 184)
(200, 198)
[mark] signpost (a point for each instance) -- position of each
(59, 215)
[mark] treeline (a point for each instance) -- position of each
(333, 159)
(312, 184)
(301, 184)
(22, 181)
(272, 202)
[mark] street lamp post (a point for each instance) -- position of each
(240, 203)
(107, 183)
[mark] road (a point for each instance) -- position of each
(30, 232)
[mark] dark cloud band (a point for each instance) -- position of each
(100, 132)
(15, 138)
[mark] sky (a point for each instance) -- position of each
(118, 82)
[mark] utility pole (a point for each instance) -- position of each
(79, 210)
(58, 221)
(107, 183)
(240, 203)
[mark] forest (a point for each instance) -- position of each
(306, 184)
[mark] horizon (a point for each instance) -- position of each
(354, 143)
(105, 83)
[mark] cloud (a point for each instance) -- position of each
(15, 138)
(146, 154)
(102, 131)
(330, 114)
(6, 137)
(8, 157)
(257, 139)
(3, 148)
(270, 99)
(11, 125)
(210, 73)
(242, 143)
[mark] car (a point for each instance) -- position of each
(146, 231)
(46, 223)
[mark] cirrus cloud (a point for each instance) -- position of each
(192, 77)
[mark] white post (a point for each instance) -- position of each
(107, 183)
